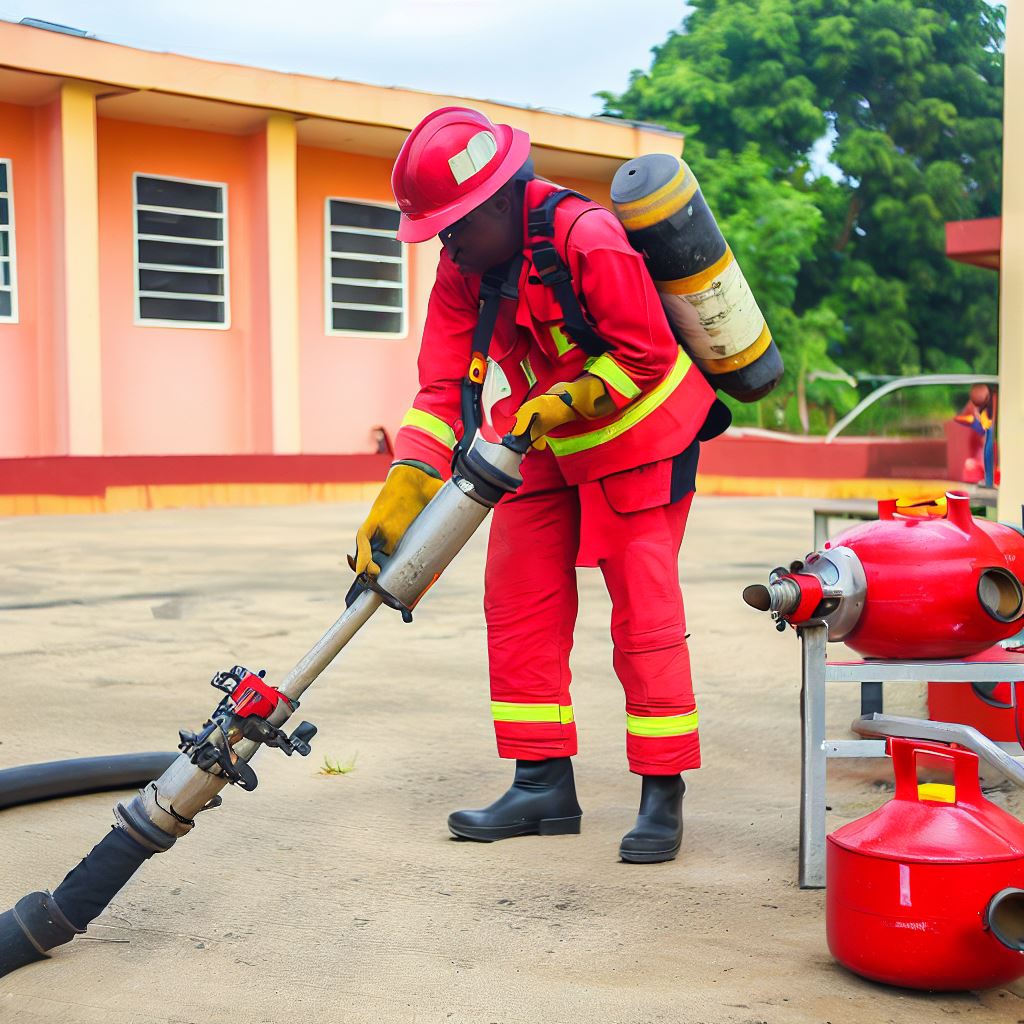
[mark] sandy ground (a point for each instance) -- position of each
(342, 899)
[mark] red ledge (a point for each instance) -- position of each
(760, 453)
(975, 241)
(92, 475)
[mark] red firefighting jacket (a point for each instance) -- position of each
(661, 399)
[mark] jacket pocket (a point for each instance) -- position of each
(634, 490)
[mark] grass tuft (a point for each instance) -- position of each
(330, 767)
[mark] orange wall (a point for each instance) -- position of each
(177, 390)
(28, 413)
(599, 191)
(194, 390)
(350, 384)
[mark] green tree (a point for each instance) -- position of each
(847, 258)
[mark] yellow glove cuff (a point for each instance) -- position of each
(588, 398)
(589, 395)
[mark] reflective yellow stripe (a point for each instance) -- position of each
(611, 373)
(433, 425)
(562, 343)
(504, 711)
(632, 415)
(670, 725)
(531, 377)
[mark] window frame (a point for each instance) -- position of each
(12, 258)
(139, 321)
(329, 280)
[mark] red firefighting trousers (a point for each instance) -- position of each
(530, 604)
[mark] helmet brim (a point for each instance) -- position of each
(426, 226)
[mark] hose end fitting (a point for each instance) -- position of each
(34, 925)
(781, 595)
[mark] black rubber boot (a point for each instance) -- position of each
(541, 801)
(658, 832)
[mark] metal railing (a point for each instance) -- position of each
(907, 382)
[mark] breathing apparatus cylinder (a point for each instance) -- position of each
(708, 302)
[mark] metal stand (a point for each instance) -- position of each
(816, 749)
(863, 511)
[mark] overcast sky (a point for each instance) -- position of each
(543, 53)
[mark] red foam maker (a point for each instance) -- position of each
(927, 892)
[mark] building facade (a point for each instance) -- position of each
(197, 262)
(1010, 422)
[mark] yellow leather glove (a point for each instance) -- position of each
(405, 494)
(587, 397)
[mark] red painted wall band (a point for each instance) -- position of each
(91, 476)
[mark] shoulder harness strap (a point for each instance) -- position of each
(500, 283)
(554, 273)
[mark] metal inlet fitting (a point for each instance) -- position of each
(782, 596)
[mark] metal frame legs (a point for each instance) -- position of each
(813, 760)
(816, 749)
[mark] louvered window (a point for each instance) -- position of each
(8, 270)
(365, 270)
(181, 250)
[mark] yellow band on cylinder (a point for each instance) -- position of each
(697, 282)
(661, 203)
(729, 363)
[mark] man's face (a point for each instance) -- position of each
(485, 237)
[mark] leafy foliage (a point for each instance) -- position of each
(846, 257)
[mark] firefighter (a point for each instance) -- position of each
(543, 319)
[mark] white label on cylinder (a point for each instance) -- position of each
(718, 321)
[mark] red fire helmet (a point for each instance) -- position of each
(453, 160)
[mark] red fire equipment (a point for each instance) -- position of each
(925, 891)
(919, 582)
(991, 708)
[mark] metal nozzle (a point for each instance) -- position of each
(782, 596)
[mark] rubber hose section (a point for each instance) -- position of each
(33, 782)
(40, 921)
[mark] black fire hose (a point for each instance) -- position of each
(248, 717)
(40, 921)
(32, 782)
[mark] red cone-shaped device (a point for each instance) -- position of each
(917, 583)
(926, 892)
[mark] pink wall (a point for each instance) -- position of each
(195, 391)
(28, 410)
(350, 384)
(178, 390)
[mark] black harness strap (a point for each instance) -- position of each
(503, 283)
(554, 274)
(498, 284)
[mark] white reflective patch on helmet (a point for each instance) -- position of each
(474, 157)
